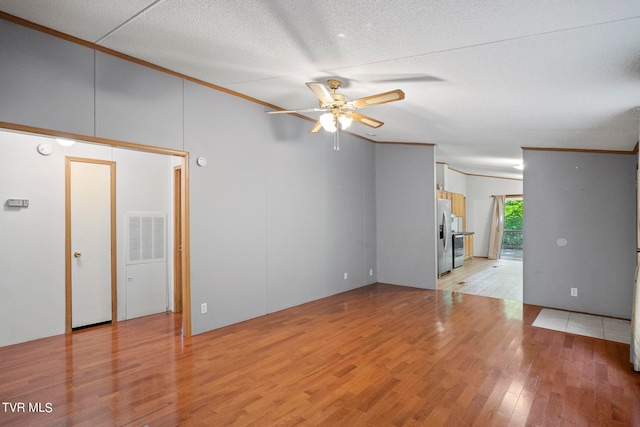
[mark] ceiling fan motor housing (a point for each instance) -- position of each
(339, 100)
(340, 111)
(334, 84)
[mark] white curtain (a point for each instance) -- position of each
(497, 227)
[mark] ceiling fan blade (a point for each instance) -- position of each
(365, 120)
(306, 110)
(381, 98)
(316, 127)
(321, 92)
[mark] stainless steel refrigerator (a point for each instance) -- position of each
(443, 235)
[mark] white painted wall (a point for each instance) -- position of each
(144, 184)
(32, 240)
(32, 287)
(480, 207)
(456, 182)
(441, 175)
(450, 180)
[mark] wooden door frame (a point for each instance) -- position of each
(186, 241)
(68, 244)
(178, 282)
(186, 245)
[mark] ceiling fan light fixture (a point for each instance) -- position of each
(328, 122)
(339, 110)
(65, 142)
(345, 121)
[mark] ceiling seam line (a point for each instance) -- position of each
(435, 52)
(453, 49)
(128, 20)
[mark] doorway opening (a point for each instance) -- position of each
(496, 278)
(183, 279)
(151, 279)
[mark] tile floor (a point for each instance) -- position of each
(585, 324)
(489, 278)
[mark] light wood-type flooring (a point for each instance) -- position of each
(501, 278)
(379, 355)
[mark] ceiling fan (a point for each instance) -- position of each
(339, 111)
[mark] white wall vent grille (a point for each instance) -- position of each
(147, 237)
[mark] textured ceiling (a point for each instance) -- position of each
(482, 79)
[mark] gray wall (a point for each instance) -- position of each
(45, 81)
(405, 210)
(277, 217)
(137, 104)
(589, 200)
(228, 204)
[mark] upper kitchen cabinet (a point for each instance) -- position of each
(137, 104)
(458, 202)
(45, 81)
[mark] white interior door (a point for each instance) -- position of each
(91, 239)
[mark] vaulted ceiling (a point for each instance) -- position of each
(482, 79)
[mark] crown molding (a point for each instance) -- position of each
(422, 144)
(478, 175)
(581, 150)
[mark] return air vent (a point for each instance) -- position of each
(146, 233)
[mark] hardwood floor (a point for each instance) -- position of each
(380, 355)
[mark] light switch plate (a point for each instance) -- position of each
(18, 203)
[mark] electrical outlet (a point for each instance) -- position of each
(574, 292)
(371, 272)
(203, 308)
(345, 276)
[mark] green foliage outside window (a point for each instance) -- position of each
(513, 215)
(512, 221)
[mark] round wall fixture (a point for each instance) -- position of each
(201, 161)
(45, 149)
(562, 242)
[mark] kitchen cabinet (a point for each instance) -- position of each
(458, 203)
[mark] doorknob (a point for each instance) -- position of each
(77, 254)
